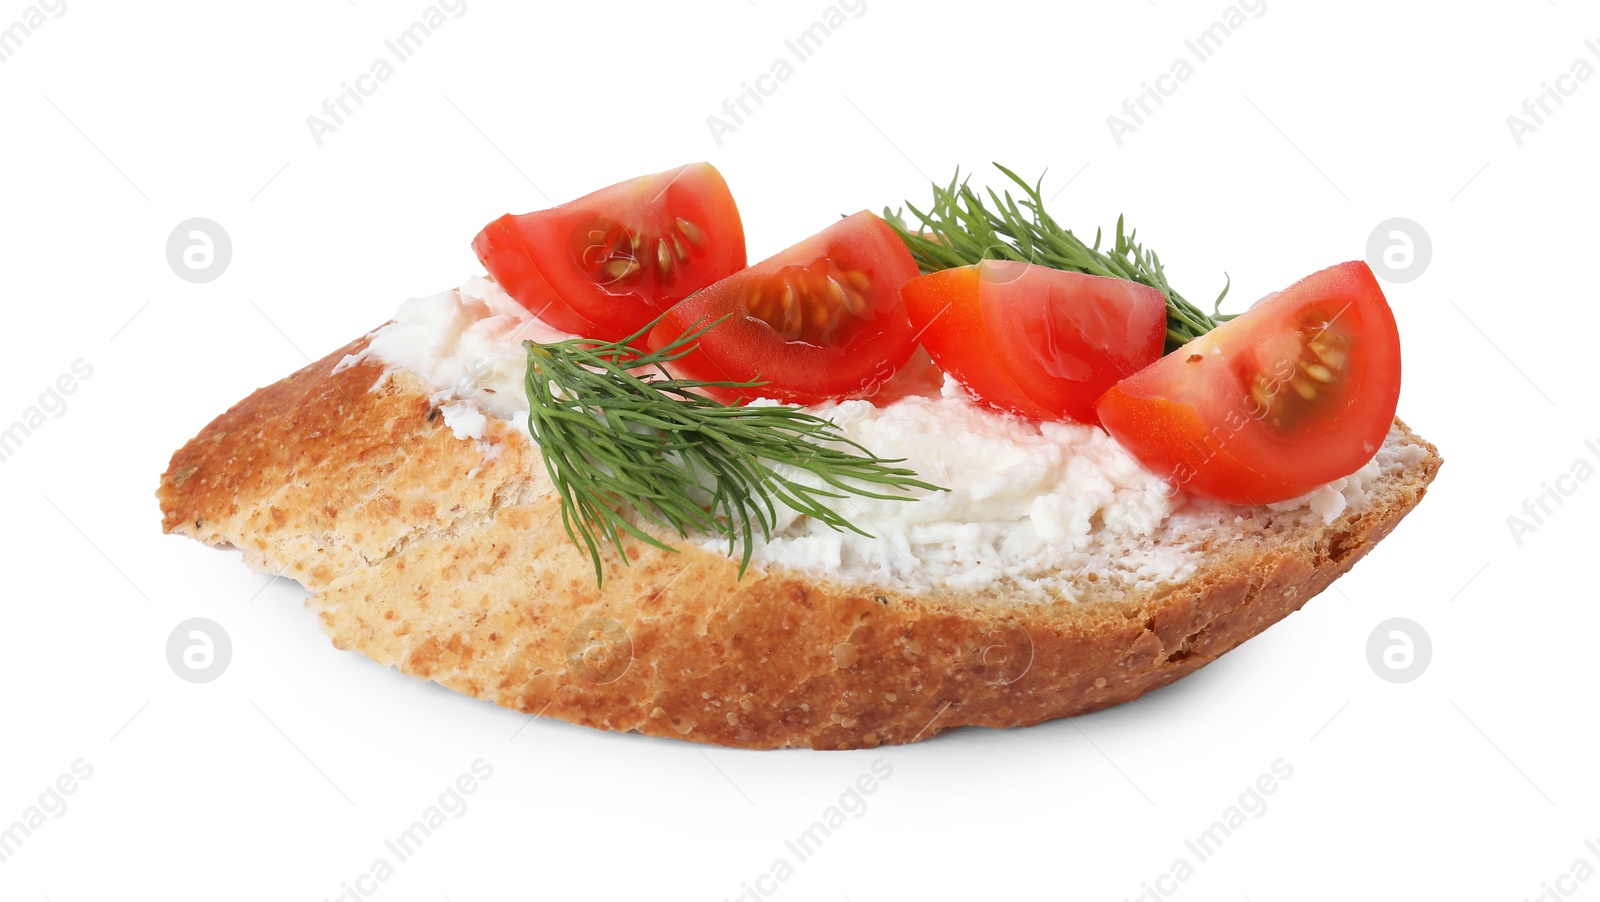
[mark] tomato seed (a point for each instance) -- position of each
(690, 231)
(621, 268)
(663, 258)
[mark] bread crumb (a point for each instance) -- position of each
(844, 655)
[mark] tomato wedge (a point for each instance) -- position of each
(1033, 340)
(605, 265)
(1298, 391)
(822, 320)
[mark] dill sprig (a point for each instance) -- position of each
(959, 229)
(619, 433)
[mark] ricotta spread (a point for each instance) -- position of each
(1033, 505)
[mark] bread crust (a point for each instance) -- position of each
(446, 557)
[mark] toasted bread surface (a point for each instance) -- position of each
(446, 557)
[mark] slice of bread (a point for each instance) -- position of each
(447, 558)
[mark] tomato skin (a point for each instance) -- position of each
(807, 351)
(1036, 341)
(603, 266)
(1168, 439)
(504, 253)
(947, 320)
(1296, 392)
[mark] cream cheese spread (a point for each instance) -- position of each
(1031, 504)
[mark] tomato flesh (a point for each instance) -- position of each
(822, 320)
(1296, 392)
(1036, 341)
(605, 265)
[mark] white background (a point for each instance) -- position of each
(1311, 125)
